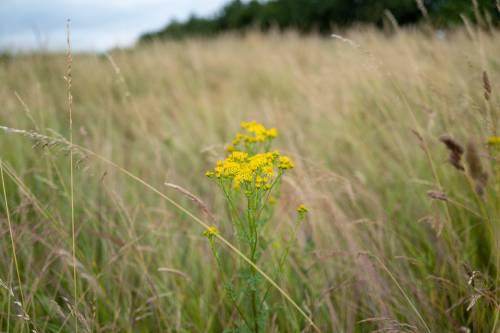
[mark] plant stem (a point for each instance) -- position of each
(72, 201)
(13, 244)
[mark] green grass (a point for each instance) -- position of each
(375, 252)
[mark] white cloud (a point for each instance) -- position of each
(95, 24)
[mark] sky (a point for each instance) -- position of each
(96, 25)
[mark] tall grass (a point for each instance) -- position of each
(396, 238)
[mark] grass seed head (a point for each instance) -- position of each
(475, 168)
(456, 151)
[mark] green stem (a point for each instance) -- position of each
(224, 277)
(284, 256)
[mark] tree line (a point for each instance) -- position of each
(321, 16)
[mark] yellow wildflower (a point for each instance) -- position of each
(254, 132)
(301, 209)
(237, 139)
(238, 156)
(257, 161)
(253, 127)
(272, 133)
(285, 163)
(211, 231)
(259, 181)
(242, 168)
(269, 171)
(250, 169)
(493, 140)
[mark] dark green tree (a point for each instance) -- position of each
(321, 16)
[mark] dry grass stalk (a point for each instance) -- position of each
(175, 271)
(201, 205)
(456, 151)
(486, 86)
(419, 137)
(437, 195)
(394, 23)
(45, 141)
(475, 168)
(471, 274)
(69, 80)
(390, 325)
(423, 10)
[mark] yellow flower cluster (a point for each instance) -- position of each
(301, 209)
(258, 170)
(253, 132)
(493, 140)
(240, 167)
(211, 231)
(285, 163)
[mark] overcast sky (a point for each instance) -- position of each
(96, 25)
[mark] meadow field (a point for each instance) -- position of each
(396, 157)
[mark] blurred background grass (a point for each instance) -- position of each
(360, 117)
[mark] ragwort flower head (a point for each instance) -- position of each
(250, 169)
(285, 163)
(302, 209)
(253, 133)
(211, 231)
(493, 141)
